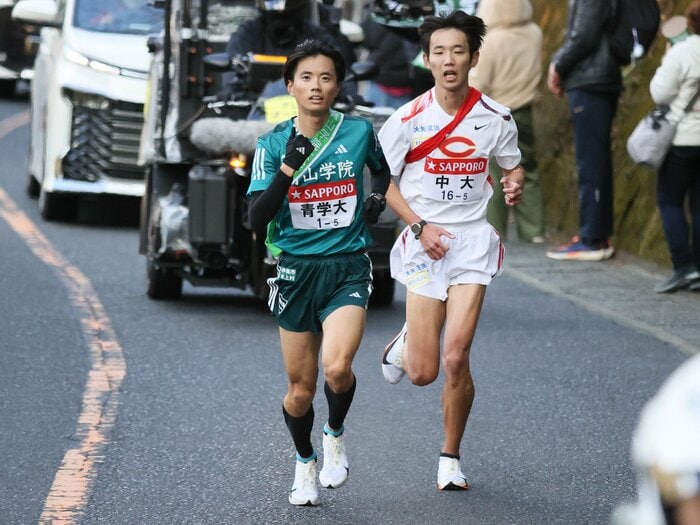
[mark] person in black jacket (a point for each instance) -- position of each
(280, 26)
(585, 69)
(398, 80)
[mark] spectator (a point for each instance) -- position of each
(676, 84)
(509, 71)
(666, 454)
(585, 69)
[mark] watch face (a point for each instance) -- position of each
(416, 228)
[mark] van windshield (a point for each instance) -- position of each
(134, 17)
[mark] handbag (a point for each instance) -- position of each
(650, 141)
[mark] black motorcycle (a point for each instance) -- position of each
(198, 154)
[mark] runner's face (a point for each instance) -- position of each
(314, 85)
(449, 59)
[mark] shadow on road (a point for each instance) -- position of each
(116, 212)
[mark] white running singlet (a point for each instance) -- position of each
(451, 186)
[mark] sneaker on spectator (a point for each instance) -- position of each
(576, 250)
(335, 470)
(392, 358)
(304, 491)
(450, 475)
(695, 284)
(678, 281)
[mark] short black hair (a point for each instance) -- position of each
(312, 47)
(470, 25)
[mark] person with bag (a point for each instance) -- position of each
(439, 145)
(585, 68)
(307, 187)
(676, 83)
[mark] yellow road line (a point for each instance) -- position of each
(71, 486)
(12, 123)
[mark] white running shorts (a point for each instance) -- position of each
(475, 256)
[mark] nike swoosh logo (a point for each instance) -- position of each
(477, 128)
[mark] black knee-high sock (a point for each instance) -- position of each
(300, 429)
(339, 404)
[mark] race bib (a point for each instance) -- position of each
(459, 180)
(323, 206)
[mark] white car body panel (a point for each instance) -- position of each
(52, 111)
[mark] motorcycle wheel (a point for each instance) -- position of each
(163, 284)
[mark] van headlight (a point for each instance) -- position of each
(80, 59)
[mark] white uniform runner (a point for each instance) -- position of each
(450, 187)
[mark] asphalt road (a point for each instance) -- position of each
(188, 427)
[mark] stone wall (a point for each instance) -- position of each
(637, 225)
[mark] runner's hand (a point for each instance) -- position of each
(432, 243)
(373, 207)
(512, 191)
(298, 149)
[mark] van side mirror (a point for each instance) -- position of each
(154, 43)
(42, 13)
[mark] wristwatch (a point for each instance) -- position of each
(417, 228)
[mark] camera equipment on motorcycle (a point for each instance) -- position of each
(208, 193)
(174, 223)
(223, 136)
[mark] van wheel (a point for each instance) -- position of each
(33, 186)
(383, 289)
(163, 284)
(7, 88)
(57, 207)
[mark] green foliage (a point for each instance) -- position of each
(637, 225)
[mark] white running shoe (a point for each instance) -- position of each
(304, 491)
(450, 475)
(392, 358)
(335, 470)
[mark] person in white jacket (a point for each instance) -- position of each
(666, 454)
(509, 71)
(676, 84)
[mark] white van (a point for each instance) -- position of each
(87, 99)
